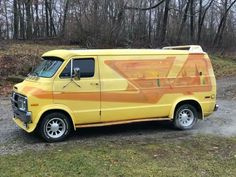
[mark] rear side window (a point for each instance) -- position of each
(86, 65)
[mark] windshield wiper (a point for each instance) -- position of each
(34, 74)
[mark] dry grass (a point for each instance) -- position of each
(18, 59)
(224, 66)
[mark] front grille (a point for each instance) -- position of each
(15, 100)
(21, 113)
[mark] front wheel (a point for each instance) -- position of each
(55, 127)
(186, 117)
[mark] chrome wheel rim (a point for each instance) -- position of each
(55, 128)
(186, 117)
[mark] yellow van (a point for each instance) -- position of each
(85, 88)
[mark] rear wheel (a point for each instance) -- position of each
(55, 127)
(185, 117)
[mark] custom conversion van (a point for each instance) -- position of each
(85, 88)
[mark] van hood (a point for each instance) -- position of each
(34, 86)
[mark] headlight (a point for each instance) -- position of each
(22, 103)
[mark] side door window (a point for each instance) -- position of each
(86, 65)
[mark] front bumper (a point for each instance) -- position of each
(24, 116)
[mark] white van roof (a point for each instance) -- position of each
(172, 50)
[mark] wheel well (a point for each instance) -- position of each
(58, 111)
(194, 104)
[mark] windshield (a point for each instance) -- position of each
(47, 68)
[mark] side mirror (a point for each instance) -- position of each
(76, 75)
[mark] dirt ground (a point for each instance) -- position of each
(221, 123)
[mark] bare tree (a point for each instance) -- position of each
(164, 24)
(201, 17)
(16, 19)
(183, 21)
(36, 24)
(192, 11)
(6, 19)
(222, 24)
(65, 16)
(21, 12)
(121, 23)
(28, 19)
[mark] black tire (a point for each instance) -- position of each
(55, 127)
(186, 117)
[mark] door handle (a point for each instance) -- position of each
(94, 83)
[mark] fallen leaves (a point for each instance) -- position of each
(5, 87)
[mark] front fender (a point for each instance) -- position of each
(54, 107)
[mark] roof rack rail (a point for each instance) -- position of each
(190, 48)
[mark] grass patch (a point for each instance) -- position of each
(223, 66)
(19, 59)
(194, 156)
(14, 49)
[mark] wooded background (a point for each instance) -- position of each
(121, 23)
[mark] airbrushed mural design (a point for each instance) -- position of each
(148, 80)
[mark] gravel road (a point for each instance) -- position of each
(223, 123)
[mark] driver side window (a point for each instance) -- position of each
(87, 68)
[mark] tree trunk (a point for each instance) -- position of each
(201, 18)
(65, 16)
(28, 20)
(150, 23)
(199, 22)
(221, 27)
(47, 18)
(7, 20)
(22, 23)
(36, 26)
(16, 19)
(164, 24)
(192, 33)
(158, 27)
(95, 19)
(52, 27)
(183, 22)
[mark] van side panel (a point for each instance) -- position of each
(146, 86)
